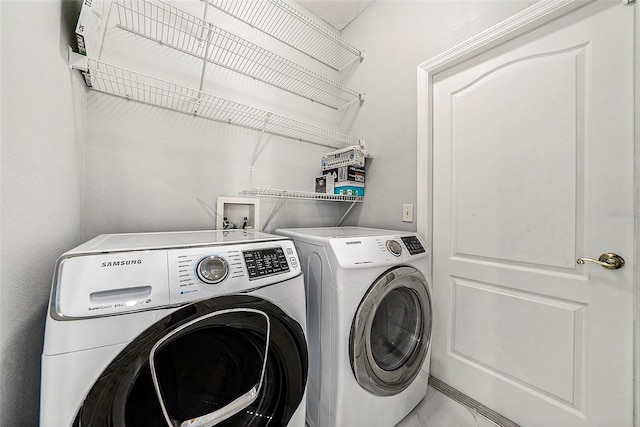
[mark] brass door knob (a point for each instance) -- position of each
(610, 261)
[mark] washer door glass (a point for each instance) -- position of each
(228, 361)
(390, 332)
(185, 367)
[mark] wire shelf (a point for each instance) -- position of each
(293, 28)
(128, 84)
(292, 194)
(184, 32)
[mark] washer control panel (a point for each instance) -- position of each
(112, 283)
(204, 272)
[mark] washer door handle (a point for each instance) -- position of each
(222, 414)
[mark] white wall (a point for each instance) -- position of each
(398, 35)
(149, 169)
(41, 131)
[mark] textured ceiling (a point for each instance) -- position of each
(337, 13)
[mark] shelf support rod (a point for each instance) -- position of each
(204, 68)
(206, 55)
(345, 214)
(272, 213)
(204, 18)
(261, 142)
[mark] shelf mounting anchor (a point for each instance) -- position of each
(77, 61)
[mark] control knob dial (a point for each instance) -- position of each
(212, 269)
(394, 247)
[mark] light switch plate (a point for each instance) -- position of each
(407, 212)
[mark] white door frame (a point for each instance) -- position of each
(533, 17)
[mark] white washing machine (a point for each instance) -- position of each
(176, 329)
(369, 323)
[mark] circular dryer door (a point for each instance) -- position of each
(227, 361)
(391, 331)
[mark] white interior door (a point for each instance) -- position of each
(533, 168)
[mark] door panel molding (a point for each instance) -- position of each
(557, 374)
(522, 233)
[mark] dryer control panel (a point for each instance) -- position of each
(367, 251)
(413, 245)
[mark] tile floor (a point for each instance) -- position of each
(438, 410)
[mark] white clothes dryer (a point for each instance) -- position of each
(176, 329)
(369, 323)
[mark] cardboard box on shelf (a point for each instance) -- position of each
(348, 188)
(347, 173)
(325, 184)
(91, 27)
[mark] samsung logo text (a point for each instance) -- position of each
(121, 263)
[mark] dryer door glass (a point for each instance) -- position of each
(391, 331)
(228, 361)
(396, 329)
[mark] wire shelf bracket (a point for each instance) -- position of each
(175, 28)
(293, 28)
(76, 60)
